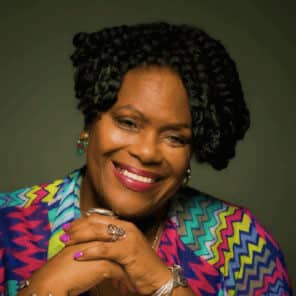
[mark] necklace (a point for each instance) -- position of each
(153, 246)
(156, 237)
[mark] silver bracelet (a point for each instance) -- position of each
(176, 281)
(25, 284)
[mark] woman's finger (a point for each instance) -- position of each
(114, 272)
(143, 266)
(95, 228)
(92, 228)
(107, 270)
(102, 250)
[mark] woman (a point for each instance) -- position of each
(152, 95)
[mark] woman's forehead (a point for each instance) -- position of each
(155, 90)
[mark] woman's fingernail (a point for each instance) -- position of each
(77, 255)
(66, 226)
(65, 237)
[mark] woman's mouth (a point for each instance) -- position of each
(135, 179)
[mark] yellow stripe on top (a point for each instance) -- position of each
(218, 231)
(45, 193)
(238, 227)
(55, 245)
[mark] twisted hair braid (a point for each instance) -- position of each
(219, 114)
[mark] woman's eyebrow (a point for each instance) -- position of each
(167, 126)
(130, 107)
(177, 126)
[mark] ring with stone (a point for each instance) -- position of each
(115, 232)
(100, 211)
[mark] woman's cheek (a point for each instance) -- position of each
(179, 156)
(119, 137)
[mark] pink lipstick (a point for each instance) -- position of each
(135, 179)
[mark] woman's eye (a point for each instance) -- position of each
(177, 140)
(126, 123)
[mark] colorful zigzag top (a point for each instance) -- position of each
(222, 248)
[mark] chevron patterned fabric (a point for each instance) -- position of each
(222, 248)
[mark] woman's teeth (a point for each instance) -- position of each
(135, 176)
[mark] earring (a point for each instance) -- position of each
(82, 143)
(187, 177)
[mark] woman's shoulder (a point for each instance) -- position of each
(223, 219)
(231, 239)
(44, 193)
(191, 201)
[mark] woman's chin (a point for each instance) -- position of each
(130, 215)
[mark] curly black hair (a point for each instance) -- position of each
(220, 116)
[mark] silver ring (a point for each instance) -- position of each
(24, 284)
(115, 232)
(100, 211)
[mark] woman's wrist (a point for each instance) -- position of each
(176, 280)
(37, 287)
(182, 291)
(159, 279)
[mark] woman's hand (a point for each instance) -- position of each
(63, 275)
(133, 252)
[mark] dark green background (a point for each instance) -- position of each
(39, 124)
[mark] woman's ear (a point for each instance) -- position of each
(82, 142)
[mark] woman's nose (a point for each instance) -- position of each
(147, 150)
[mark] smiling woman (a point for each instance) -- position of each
(137, 156)
(153, 95)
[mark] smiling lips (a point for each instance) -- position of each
(135, 179)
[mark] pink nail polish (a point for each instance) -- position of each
(77, 255)
(66, 226)
(65, 237)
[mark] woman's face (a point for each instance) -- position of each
(139, 150)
